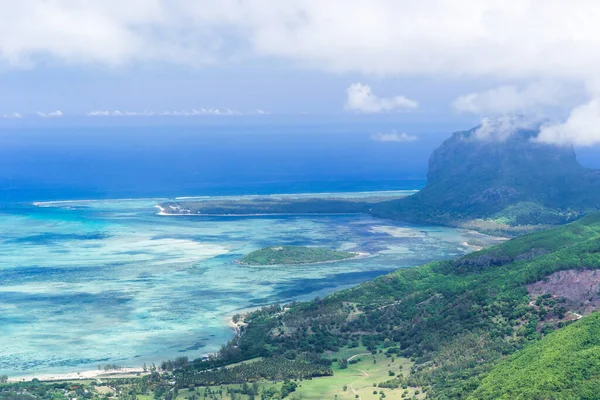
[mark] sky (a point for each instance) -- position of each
(521, 62)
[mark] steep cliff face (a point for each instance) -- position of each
(516, 181)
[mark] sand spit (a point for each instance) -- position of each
(92, 374)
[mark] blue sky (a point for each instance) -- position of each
(454, 61)
(276, 88)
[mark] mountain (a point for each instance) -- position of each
(499, 184)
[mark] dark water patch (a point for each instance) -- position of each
(197, 270)
(60, 251)
(210, 294)
(191, 299)
(91, 246)
(195, 346)
(19, 275)
(111, 303)
(133, 252)
(6, 320)
(53, 237)
(221, 237)
(144, 277)
(301, 287)
(16, 364)
(73, 362)
(106, 298)
(226, 257)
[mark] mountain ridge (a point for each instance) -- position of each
(512, 184)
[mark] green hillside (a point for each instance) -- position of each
(565, 365)
(454, 319)
(461, 329)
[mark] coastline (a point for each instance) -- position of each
(400, 192)
(167, 214)
(236, 327)
(131, 372)
(90, 374)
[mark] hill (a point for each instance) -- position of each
(565, 365)
(499, 185)
(455, 320)
(294, 255)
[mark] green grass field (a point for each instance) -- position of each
(354, 382)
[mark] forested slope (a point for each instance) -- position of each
(565, 365)
(455, 319)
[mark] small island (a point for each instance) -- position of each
(296, 255)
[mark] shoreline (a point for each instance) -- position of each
(82, 375)
(249, 215)
(42, 203)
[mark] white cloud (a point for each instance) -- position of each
(506, 38)
(52, 114)
(393, 136)
(502, 127)
(167, 113)
(361, 98)
(14, 115)
(581, 128)
(503, 40)
(98, 113)
(535, 97)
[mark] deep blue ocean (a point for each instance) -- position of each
(62, 163)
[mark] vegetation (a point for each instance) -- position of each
(455, 319)
(268, 205)
(361, 377)
(270, 369)
(294, 255)
(565, 365)
(461, 329)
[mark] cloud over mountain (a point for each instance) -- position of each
(507, 99)
(581, 128)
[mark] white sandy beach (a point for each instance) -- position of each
(92, 374)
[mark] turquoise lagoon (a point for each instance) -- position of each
(84, 283)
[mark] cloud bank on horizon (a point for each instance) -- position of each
(360, 98)
(393, 136)
(535, 51)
